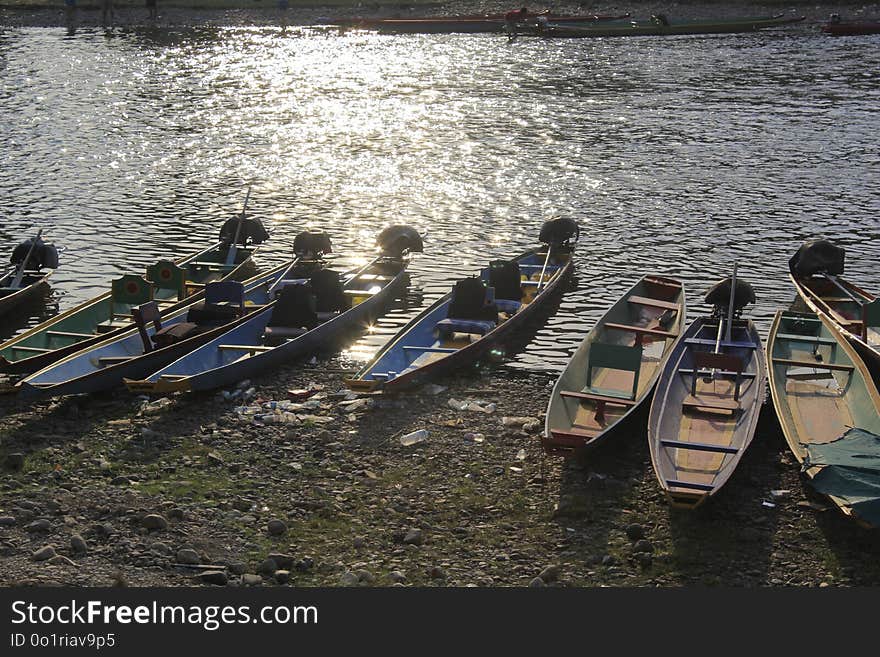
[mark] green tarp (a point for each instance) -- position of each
(850, 470)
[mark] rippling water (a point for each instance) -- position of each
(677, 155)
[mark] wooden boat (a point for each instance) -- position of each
(27, 278)
(854, 310)
(307, 315)
(837, 27)
(708, 399)
(655, 26)
(453, 24)
(616, 366)
(820, 389)
(139, 351)
(171, 284)
(464, 324)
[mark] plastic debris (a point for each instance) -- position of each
(768, 505)
(477, 405)
(779, 494)
(521, 455)
(514, 421)
(415, 437)
(151, 408)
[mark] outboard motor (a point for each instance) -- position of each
(560, 231)
(43, 254)
(718, 295)
(399, 240)
(817, 256)
(311, 246)
(251, 229)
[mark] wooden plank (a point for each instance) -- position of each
(675, 483)
(656, 303)
(814, 364)
(705, 372)
(711, 343)
(702, 447)
(794, 337)
(721, 404)
(640, 330)
(36, 350)
(69, 334)
(244, 347)
(592, 397)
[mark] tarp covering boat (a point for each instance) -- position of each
(43, 255)
(719, 294)
(850, 470)
(251, 230)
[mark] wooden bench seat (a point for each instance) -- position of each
(36, 350)
(707, 372)
(675, 483)
(655, 303)
(641, 330)
(701, 447)
(724, 343)
(712, 403)
(69, 334)
(608, 399)
(814, 364)
(794, 337)
(244, 347)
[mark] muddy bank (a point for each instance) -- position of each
(89, 14)
(118, 489)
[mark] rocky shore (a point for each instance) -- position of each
(215, 489)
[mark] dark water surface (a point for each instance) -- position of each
(677, 155)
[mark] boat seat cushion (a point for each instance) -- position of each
(169, 335)
(507, 306)
(449, 326)
(204, 313)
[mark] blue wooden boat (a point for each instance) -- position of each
(306, 315)
(477, 314)
(172, 284)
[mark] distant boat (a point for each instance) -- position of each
(838, 27)
(829, 409)
(32, 263)
(469, 24)
(657, 25)
(615, 368)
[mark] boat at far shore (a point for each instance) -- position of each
(657, 25)
(469, 24)
(837, 27)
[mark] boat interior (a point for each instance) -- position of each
(475, 308)
(857, 311)
(610, 374)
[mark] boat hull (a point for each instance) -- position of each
(35, 285)
(208, 368)
(36, 348)
(697, 436)
(364, 379)
(82, 372)
(851, 28)
(575, 423)
(655, 28)
(818, 399)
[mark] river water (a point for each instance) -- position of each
(676, 155)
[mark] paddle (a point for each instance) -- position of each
(544, 268)
(20, 273)
(233, 249)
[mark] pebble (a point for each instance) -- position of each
(41, 525)
(609, 560)
(268, 567)
(282, 576)
(437, 572)
(348, 578)
(549, 574)
(237, 568)
(644, 559)
(284, 561)
(413, 537)
(154, 521)
(161, 548)
(537, 583)
(177, 514)
(188, 556)
(276, 527)
(643, 545)
(120, 481)
(249, 579)
(396, 576)
(78, 544)
(635, 531)
(359, 542)
(15, 461)
(7, 521)
(216, 577)
(44, 553)
(61, 560)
